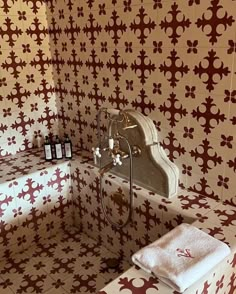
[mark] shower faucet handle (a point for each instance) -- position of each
(117, 159)
(96, 153)
(111, 143)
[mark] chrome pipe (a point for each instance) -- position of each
(131, 194)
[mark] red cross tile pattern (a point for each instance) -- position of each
(152, 216)
(172, 60)
(27, 100)
(221, 279)
(69, 262)
(38, 199)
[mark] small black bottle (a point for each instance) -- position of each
(58, 148)
(47, 149)
(68, 147)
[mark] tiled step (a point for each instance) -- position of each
(35, 199)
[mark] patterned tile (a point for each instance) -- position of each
(84, 283)
(123, 44)
(4, 287)
(57, 289)
(224, 215)
(25, 54)
(69, 262)
(174, 62)
(113, 39)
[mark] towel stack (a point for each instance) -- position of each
(182, 256)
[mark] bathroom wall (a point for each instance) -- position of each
(172, 60)
(27, 100)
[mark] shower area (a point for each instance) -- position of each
(145, 90)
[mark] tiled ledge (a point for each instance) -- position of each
(35, 199)
(24, 163)
(212, 216)
(52, 181)
(32, 161)
(222, 279)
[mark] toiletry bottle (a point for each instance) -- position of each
(47, 149)
(53, 148)
(68, 147)
(58, 148)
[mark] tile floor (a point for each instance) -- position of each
(69, 262)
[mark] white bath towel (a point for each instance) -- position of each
(182, 256)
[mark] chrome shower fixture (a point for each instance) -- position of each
(120, 139)
(115, 117)
(124, 117)
(117, 120)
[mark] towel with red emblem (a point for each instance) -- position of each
(182, 256)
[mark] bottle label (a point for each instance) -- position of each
(68, 150)
(58, 151)
(48, 152)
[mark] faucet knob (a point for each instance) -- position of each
(117, 160)
(96, 153)
(111, 143)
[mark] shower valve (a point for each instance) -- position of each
(96, 153)
(117, 159)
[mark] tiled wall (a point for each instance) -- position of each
(171, 60)
(27, 100)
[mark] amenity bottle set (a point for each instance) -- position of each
(57, 149)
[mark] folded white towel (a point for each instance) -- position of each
(182, 256)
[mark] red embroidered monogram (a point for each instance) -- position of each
(184, 253)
